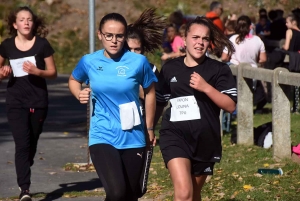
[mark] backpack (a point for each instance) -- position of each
(263, 135)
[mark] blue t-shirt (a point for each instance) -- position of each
(114, 82)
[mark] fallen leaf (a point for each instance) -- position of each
(247, 187)
(66, 133)
(52, 173)
(234, 195)
(9, 162)
(258, 175)
(266, 165)
(266, 191)
(240, 179)
(41, 158)
(276, 182)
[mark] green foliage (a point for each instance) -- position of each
(69, 50)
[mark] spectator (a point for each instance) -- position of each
(277, 26)
(216, 10)
(248, 49)
(230, 28)
(263, 26)
(176, 43)
(177, 19)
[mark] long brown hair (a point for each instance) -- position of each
(39, 27)
(217, 37)
(148, 29)
(242, 28)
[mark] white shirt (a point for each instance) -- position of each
(246, 51)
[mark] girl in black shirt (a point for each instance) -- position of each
(199, 87)
(31, 59)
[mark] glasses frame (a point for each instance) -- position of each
(113, 36)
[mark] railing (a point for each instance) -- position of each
(281, 120)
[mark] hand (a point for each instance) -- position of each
(5, 71)
(151, 138)
(84, 96)
(197, 82)
(165, 56)
(30, 68)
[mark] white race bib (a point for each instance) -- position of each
(129, 115)
(184, 108)
(17, 65)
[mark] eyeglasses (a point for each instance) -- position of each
(110, 36)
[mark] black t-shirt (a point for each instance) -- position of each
(295, 41)
(30, 90)
(201, 137)
(142, 101)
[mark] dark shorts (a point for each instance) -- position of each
(198, 167)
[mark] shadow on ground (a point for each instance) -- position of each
(71, 187)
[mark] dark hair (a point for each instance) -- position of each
(242, 28)
(294, 18)
(272, 14)
(214, 5)
(38, 28)
(176, 17)
(262, 10)
(231, 24)
(148, 29)
(279, 12)
(217, 37)
(115, 17)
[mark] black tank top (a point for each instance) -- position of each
(295, 41)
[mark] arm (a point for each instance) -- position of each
(221, 100)
(150, 106)
(5, 71)
(225, 57)
(50, 71)
(288, 37)
(75, 87)
(141, 93)
(262, 58)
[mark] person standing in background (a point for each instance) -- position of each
(216, 10)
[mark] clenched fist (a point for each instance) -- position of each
(84, 96)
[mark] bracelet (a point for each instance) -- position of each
(150, 129)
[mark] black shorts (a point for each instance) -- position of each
(198, 167)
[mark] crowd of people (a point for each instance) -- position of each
(129, 93)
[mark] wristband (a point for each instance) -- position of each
(150, 129)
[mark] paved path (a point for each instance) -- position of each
(63, 140)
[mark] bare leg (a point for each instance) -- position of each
(198, 182)
(180, 171)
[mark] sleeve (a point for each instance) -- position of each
(262, 46)
(48, 50)
(177, 43)
(225, 83)
(163, 91)
(2, 50)
(80, 73)
(146, 74)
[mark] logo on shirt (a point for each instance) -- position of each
(207, 170)
(122, 70)
(173, 79)
(100, 68)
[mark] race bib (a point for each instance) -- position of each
(129, 115)
(17, 65)
(184, 108)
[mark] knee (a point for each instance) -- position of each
(183, 194)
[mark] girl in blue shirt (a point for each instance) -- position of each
(117, 132)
